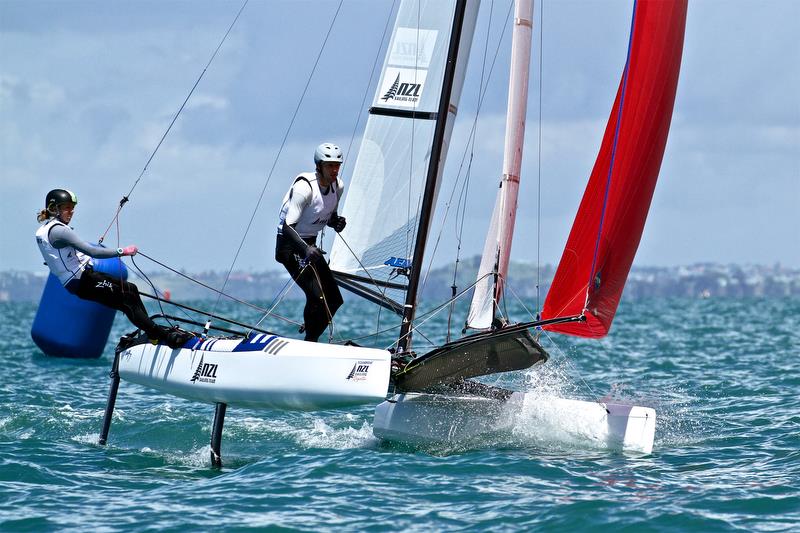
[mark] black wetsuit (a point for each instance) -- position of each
(316, 280)
(108, 290)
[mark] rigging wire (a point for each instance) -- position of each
(140, 272)
(219, 292)
(366, 271)
(430, 314)
(459, 240)
(613, 157)
(126, 198)
(369, 82)
(563, 355)
(539, 171)
(277, 300)
(357, 121)
(469, 140)
(277, 156)
(423, 317)
(462, 206)
(411, 228)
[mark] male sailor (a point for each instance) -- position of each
(309, 206)
(70, 260)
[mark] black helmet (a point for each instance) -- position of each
(57, 197)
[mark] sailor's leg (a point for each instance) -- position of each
(333, 297)
(119, 295)
(314, 314)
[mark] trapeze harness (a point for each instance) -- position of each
(316, 214)
(66, 263)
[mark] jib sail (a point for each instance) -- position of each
(608, 226)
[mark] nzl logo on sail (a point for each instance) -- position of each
(403, 87)
(402, 91)
(205, 372)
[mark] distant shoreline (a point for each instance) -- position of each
(701, 280)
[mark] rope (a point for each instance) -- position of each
(277, 300)
(325, 302)
(564, 357)
(219, 292)
(430, 314)
(539, 172)
(558, 348)
(140, 272)
(125, 198)
(369, 83)
(280, 150)
(613, 156)
(470, 142)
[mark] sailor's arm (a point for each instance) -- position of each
(336, 222)
(62, 236)
(299, 199)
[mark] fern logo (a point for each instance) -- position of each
(205, 372)
(392, 92)
(359, 371)
(403, 87)
(198, 370)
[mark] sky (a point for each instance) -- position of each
(87, 89)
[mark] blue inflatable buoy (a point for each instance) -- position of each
(66, 326)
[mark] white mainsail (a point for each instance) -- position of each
(385, 190)
(497, 249)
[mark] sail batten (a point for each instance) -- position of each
(608, 225)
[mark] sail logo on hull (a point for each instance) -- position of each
(359, 371)
(205, 372)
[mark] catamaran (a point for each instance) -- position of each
(392, 195)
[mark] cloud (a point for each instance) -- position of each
(86, 94)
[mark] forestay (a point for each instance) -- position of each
(609, 223)
(497, 248)
(386, 187)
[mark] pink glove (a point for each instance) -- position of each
(128, 250)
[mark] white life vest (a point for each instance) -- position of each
(317, 213)
(65, 263)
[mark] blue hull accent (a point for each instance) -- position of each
(66, 326)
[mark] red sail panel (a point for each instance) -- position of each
(612, 213)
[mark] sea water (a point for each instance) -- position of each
(723, 376)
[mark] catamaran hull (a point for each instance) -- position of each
(419, 418)
(261, 371)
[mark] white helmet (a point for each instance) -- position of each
(328, 152)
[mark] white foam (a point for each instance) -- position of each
(323, 435)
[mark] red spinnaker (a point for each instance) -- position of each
(612, 213)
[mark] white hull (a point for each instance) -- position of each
(262, 371)
(417, 418)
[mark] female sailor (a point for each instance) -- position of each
(70, 260)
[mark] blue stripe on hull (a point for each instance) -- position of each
(254, 344)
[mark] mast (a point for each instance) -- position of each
(404, 342)
(497, 249)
